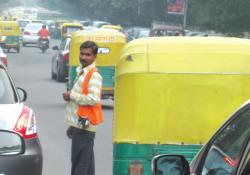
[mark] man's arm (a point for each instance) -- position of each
(94, 92)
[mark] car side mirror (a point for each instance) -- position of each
(55, 48)
(170, 165)
(22, 94)
(11, 143)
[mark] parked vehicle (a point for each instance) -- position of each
(30, 34)
(20, 149)
(10, 33)
(172, 93)
(68, 28)
(226, 153)
(3, 57)
(60, 61)
(110, 43)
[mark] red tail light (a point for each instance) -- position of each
(27, 33)
(26, 124)
(135, 168)
(66, 57)
(231, 162)
(4, 60)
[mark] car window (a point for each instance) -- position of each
(33, 27)
(23, 23)
(7, 93)
(72, 29)
(67, 47)
(224, 154)
(63, 44)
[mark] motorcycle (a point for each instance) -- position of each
(43, 44)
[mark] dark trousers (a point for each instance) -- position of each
(82, 152)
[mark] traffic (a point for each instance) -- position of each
(90, 96)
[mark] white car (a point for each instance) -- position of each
(20, 149)
(3, 57)
(30, 33)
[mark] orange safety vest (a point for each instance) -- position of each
(92, 113)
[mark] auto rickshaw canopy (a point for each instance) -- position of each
(178, 90)
(9, 28)
(110, 43)
(68, 28)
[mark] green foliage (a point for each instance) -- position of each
(226, 16)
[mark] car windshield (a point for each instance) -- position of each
(23, 23)
(7, 93)
(73, 29)
(33, 27)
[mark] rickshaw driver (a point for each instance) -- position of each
(83, 111)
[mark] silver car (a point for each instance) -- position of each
(30, 33)
(20, 149)
(226, 153)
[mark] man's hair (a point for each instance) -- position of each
(90, 44)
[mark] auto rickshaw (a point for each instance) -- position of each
(171, 95)
(68, 28)
(55, 29)
(110, 43)
(10, 33)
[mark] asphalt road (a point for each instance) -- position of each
(31, 70)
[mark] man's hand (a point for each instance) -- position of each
(66, 96)
(69, 132)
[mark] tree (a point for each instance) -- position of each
(226, 16)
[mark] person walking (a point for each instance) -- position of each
(84, 111)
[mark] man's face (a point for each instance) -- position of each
(86, 57)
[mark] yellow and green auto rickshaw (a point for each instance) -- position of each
(10, 33)
(110, 43)
(172, 93)
(68, 28)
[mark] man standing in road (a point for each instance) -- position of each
(83, 111)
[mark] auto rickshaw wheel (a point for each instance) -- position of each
(53, 75)
(18, 50)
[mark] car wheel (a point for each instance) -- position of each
(60, 76)
(18, 50)
(53, 75)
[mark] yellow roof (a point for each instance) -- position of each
(98, 35)
(186, 55)
(72, 24)
(115, 27)
(7, 23)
